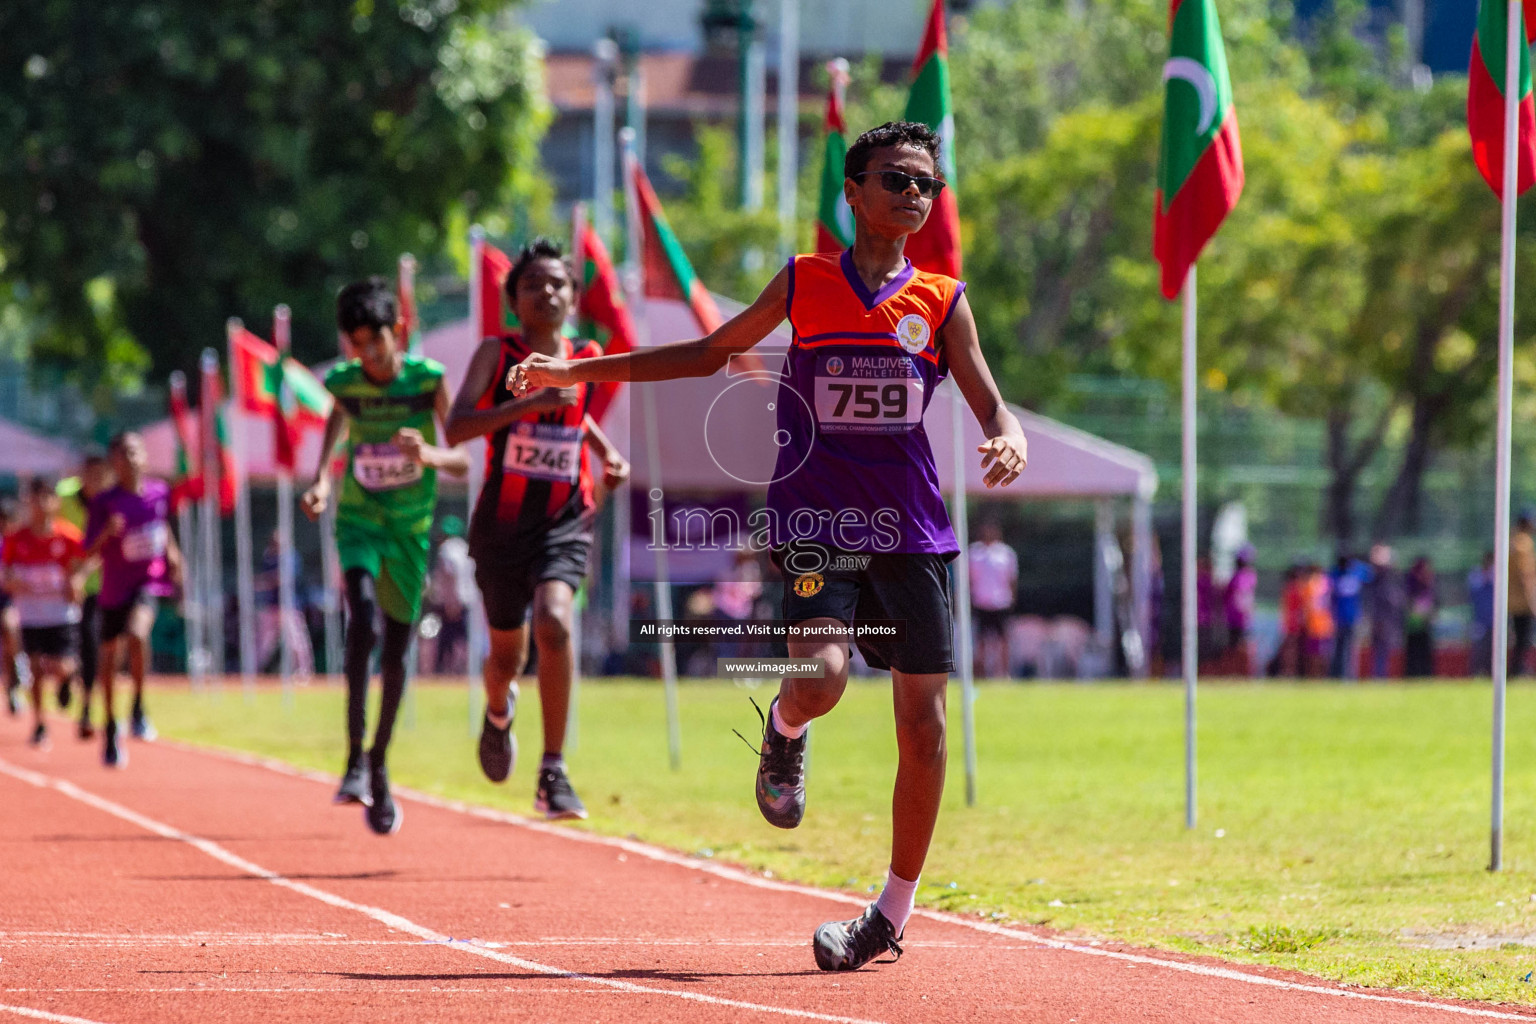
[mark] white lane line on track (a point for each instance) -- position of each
(746, 878)
(57, 1018)
(385, 917)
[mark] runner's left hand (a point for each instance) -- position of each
(1007, 456)
(411, 444)
(615, 471)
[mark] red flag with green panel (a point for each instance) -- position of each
(1485, 96)
(1200, 167)
(936, 247)
(667, 272)
(834, 217)
(600, 306)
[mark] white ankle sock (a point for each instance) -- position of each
(500, 718)
(783, 730)
(896, 900)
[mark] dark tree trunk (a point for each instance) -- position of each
(1401, 507)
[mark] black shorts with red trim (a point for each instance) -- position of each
(861, 586)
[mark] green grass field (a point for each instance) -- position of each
(1343, 830)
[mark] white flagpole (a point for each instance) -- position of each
(789, 122)
(963, 594)
(1191, 612)
(213, 567)
(476, 633)
(245, 583)
(634, 283)
(606, 53)
(282, 337)
(1514, 39)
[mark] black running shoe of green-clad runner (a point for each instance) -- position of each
(40, 737)
(354, 782)
(849, 945)
(554, 798)
(498, 747)
(383, 814)
(66, 692)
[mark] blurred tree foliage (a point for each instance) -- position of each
(165, 164)
(1356, 283)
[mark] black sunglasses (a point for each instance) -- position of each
(899, 181)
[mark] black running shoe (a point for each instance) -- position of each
(66, 691)
(555, 799)
(781, 775)
(114, 754)
(354, 784)
(382, 813)
(498, 747)
(142, 727)
(87, 730)
(40, 737)
(849, 945)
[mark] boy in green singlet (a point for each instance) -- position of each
(388, 406)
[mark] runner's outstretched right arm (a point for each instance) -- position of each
(698, 358)
(466, 420)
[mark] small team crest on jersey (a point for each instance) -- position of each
(913, 332)
(835, 366)
(809, 584)
(524, 429)
(56, 549)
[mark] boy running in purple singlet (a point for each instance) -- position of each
(129, 529)
(855, 516)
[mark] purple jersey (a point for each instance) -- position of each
(855, 470)
(136, 561)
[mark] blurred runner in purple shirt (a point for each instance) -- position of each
(129, 530)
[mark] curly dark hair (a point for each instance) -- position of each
(540, 248)
(892, 133)
(367, 303)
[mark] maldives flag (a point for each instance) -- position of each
(189, 485)
(936, 248)
(600, 308)
(834, 217)
(254, 372)
(1200, 167)
(406, 288)
(1485, 96)
(495, 265)
(665, 269)
(214, 424)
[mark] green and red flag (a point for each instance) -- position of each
(189, 485)
(1485, 95)
(495, 265)
(213, 423)
(834, 217)
(601, 312)
(254, 371)
(1200, 167)
(406, 287)
(936, 247)
(664, 266)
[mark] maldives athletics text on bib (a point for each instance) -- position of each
(382, 486)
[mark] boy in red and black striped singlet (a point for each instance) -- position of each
(531, 528)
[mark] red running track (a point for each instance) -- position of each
(198, 886)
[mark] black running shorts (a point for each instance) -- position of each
(114, 621)
(507, 575)
(49, 641)
(860, 586)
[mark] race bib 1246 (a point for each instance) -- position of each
(544, 451)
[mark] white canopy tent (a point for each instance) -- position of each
(23, 453)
